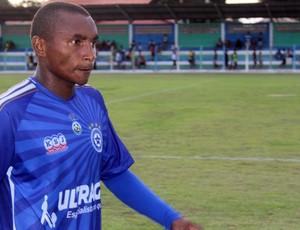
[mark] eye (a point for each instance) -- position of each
(76, 42)
(94, 43)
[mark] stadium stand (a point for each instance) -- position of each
(185, 30)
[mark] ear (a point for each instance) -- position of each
(39, 46)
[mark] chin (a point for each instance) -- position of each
(82, 82)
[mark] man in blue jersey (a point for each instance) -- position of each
(57, 141)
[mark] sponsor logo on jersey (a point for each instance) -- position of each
(81, 195)
(50, 219)
(55, 143)
(77, 201)
(96, 137)
(76, 127)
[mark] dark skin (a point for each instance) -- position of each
(67, 58)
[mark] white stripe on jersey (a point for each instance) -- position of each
(16, 91)
(12, 192)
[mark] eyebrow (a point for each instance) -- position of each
(81, 37)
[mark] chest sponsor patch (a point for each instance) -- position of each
(55, 143)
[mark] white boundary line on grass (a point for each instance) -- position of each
(282, 95)
(221, 158)
(149, 94)
(200, 157)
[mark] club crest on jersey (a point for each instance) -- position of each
(96, 137)
(55, 143)
(76, 127)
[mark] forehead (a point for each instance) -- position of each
(72, 23)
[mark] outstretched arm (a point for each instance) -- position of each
(134, 193)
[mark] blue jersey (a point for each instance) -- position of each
(53, 155)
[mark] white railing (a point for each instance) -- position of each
(163, 61)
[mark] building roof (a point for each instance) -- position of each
(105, 2)
(211, 12)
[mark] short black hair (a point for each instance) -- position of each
(45, 19)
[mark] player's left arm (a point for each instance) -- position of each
(134, 193)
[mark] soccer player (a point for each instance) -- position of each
(57, 141)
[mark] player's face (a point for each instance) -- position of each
(71, 51)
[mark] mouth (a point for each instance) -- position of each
(86, 70)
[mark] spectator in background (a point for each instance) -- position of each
(238, 44)
(192, 59)
(260, 41)
(140, 61)
(132, 45)
(174, 59)
(158, 48)
(140, 48)
(248, 40)
(227, 44)
(95, 63)
(290, 53)
(278, 55)
(30, 61)
(113, 45)
(151, 48)
(234, 59)
(215, 59)
(226, 59)
(119, 60)
(254, 57)
(128, 54)
(219, 44)
(123, 52)
(9, 45)
(260, 59)
(173, 47)
(231, 63)
(165, 42)
(108, 42)
(283, 58)
(253, 43)
(103, 45)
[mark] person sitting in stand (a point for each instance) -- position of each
(192, 58)
(140, 61)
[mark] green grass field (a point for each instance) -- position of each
(223, 149)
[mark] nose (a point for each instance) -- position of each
(90, 53)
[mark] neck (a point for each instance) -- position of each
(55, 84)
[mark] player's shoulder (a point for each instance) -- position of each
(88, 90)
(16, 95)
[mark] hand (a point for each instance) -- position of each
(183, 224)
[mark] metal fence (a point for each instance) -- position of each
(285, 58)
